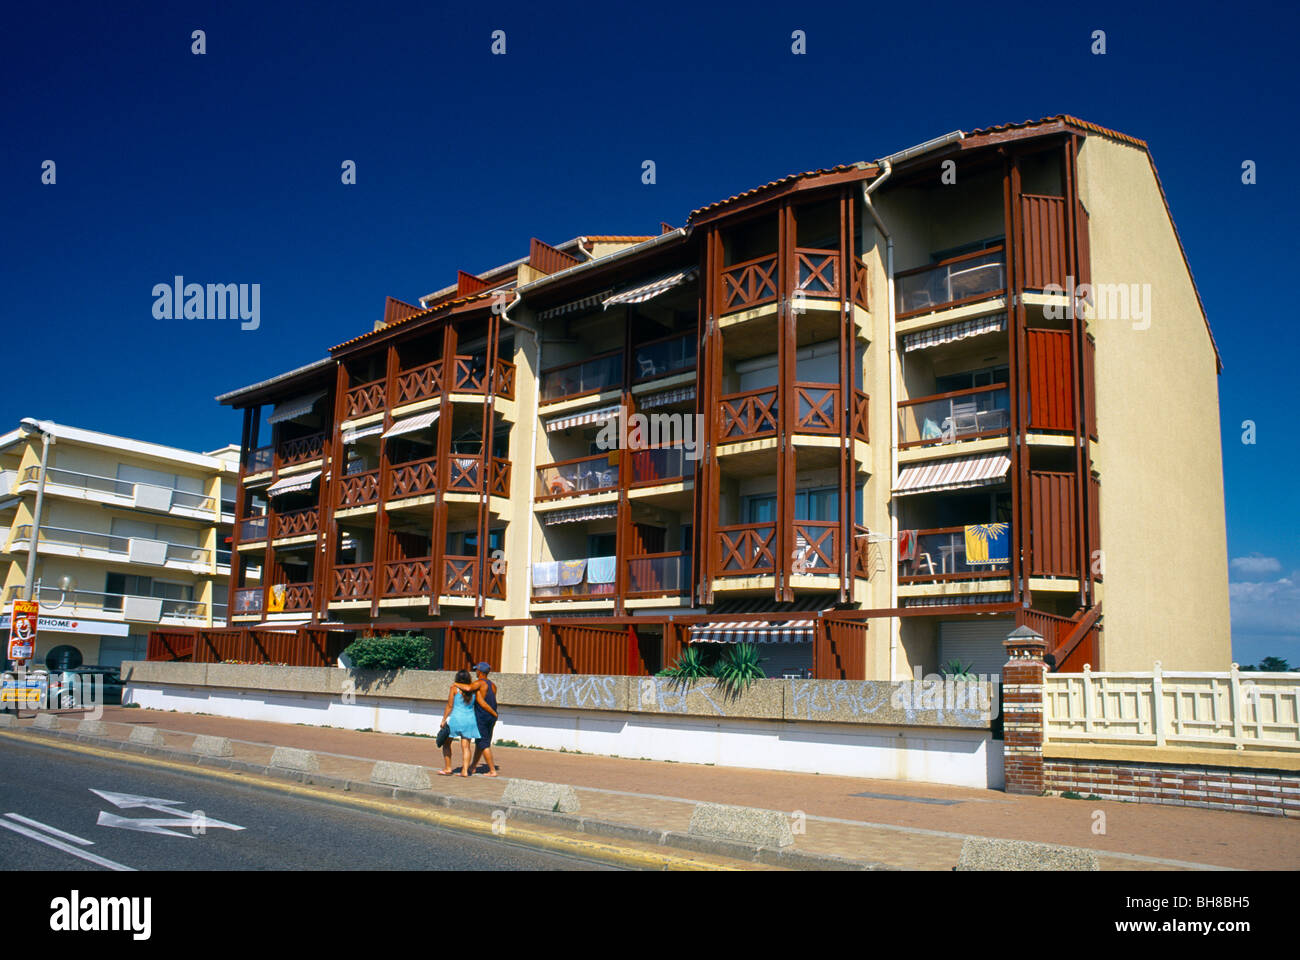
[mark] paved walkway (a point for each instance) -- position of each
(902, 824)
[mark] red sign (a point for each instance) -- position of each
(22, 629)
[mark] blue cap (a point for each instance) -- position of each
(482, 667)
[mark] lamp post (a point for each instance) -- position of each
(47, 440)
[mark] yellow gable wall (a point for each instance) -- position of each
(1162, 513)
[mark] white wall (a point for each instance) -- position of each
(967, 758)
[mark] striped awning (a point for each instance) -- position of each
(418, 422)
(957, 473)
(759, 629)
(360, 433)
(663, 399)
(952, 332)
(299, 481)
(599, 415)
(599, 511)
(648, 291)
(291, 409)
(586, 303)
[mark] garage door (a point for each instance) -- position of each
(976, 643)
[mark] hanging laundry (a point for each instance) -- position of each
(906, 545)
(546, 573)
(571, 572)
(601, 569)
(988, 543)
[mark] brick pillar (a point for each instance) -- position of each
(1022, 711)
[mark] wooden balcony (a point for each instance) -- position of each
(749, 415)
(953, 282)
(354, 581)
(659, 465)
(746, 550)
(755, 414)
(408, 578)
(580, 377)
(817, 408)
(459, 576)
(861, 552)
(572, 478)
(499, 477)
(295, 523)
(817, 547)
(817, 272)
(503, 379)
(749, 284)
(941, 556)
(253, 528)
(358, 489)
(301, 450)
(413, 479)
(365, 399)
(494, 584)
(299, 597)
(663, 357)
(248, 601)
(659, 575)
(418, 383)
(971, 414)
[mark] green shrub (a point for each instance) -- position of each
(954, 670)
(689, 666)
(397, 651)
(738, 667)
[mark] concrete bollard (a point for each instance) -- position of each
(7, 719)
(92, 728)
(146, 736)
(406, 775)
(536, 795)
(980, 853)
(770, 828)
(46, 721)
(207, 746)
(291, 758)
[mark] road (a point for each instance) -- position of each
(53, 819)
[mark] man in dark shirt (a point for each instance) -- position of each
(485, 708)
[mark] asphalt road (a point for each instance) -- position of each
(48, 793)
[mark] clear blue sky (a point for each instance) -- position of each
(226, 168)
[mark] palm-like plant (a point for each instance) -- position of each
(738, 668)
(954, 670)
(689, 666)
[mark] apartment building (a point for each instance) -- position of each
(132, 536)
(870, 418)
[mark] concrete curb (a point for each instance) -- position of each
(206, 746)
(292, 758)
(734, 849)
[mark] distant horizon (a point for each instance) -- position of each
(229, 167)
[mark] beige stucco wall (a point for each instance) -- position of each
(1159, 458)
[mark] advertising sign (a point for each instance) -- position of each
(22, 629)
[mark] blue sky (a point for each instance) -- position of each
(226, 168)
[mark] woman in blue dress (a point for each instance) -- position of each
(462, 723)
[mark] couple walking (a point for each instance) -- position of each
(470, 715)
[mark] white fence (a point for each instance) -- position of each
(1230, 710)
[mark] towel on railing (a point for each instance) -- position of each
(600, 569)
(546, 573)
(987, 543)
(571, 572)
(906, 545)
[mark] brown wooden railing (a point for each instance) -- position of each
(582, 649)
(358, 489)
(408, 578)
(499, 478)
(817, 408)
(460, 576)
(354, 581)
(749, 284)
(495, 582)
(298, 596)
(466, 475)
(817, 272)
(746, 549)
(861, 284)
(301, 450)
(170, 645)
(419, 383)
(365, 399)
(861, 552)
(466, 646)
(748, 415)
(295, 523)
(503, 379)
(861, 415)
(817, 544)
(469, 375)
(413, 479)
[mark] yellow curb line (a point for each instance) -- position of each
(537, 838)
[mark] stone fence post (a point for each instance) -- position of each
(1022, 711)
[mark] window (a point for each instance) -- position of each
(822, 503)
(117, 584)
(602, 544)
(972, 378)
(124, 527)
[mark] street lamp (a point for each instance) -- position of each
(47, 440)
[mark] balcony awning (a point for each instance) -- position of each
(599, 511)
(292, 409)
(586, 303)
(360, 433)
(299, 481)
(599, 415)
(679, 395)
(958, 473)
(952, 332)
(760, 630)
(648, 291)
(411, 424)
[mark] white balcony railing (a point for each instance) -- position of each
(149, 495)
(56, 602)
(135, 549)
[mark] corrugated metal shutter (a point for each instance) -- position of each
(976, 643)
(782, 658)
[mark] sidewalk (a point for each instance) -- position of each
(903, 825)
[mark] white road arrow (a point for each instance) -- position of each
(176, 819)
